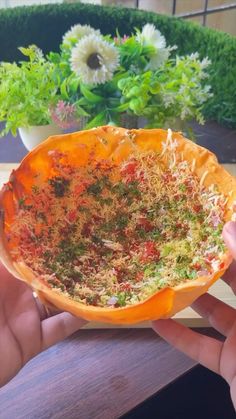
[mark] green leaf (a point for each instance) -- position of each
(99, 120)
(120, 76)
(63, 65)
(121, 108)
(90, 96)
(29, 105)
(82, 101)
(81, 111)
(54, 57)
(123, 82)
(73, 84)
(134, 91)
(113, 102)
(24, 51)
(155, 88)
(63, 89)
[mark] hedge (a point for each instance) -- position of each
(45, 25)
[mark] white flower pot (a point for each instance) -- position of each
(32, 136)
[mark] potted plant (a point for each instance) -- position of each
(118, 80)
(27, 90)
(96, 80)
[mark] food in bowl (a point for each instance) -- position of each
(115, 219)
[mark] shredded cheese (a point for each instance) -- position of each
(109, 234)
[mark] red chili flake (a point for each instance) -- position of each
(128, 231)
(150, 252)
(37, 251)
(139, 276)
(86, 230)
(129, 170)
(120, 274)
(63, 231)
(104, 165)
(167, 177)
(71, 216)
(182, 226)
(197, 266)
(81, 187)
(222, 265)
(82, 203)
(140, 176)
(177, 197)
(97, 218)
(190, 188)
(145, 224)
(164, 236)
(197, 208)
(188, 185)
(125, 286)
(209, 258)
(38, 229)
(26, 233)
(134, 246)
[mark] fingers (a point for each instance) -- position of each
(59, 327)
(229, 235)
(203, 349)
(230, 276)
(44, 311)
(220, 315)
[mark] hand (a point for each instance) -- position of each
(25, 329)
(219, 357)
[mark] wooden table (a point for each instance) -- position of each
(98, 373)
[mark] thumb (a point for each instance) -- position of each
(59, 327)
(229, 235)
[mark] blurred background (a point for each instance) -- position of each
(217, 14)
(218, 134)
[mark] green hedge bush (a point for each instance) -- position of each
(45, 25)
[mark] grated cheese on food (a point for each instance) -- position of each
(112, 235)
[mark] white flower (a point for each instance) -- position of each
(150, 36)
(205, 63)
(77, 32)
(194, 56)
(94, 60)
(160, 57)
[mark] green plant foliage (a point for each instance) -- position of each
(146, 81)
(26, 91)
(175, 89)
(45, 25)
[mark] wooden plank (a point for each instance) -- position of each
(187, 316)
(94, 374)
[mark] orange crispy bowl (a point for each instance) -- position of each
(117, 143)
